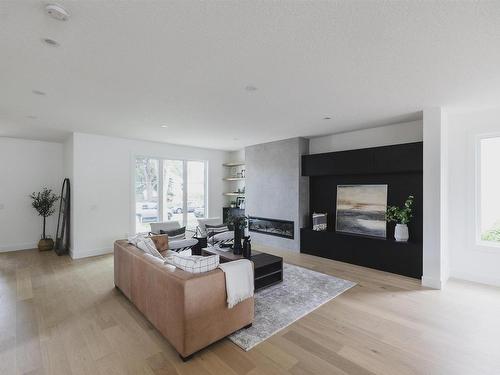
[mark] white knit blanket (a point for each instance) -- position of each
(239, 281)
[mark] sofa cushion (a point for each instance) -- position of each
(193, 263)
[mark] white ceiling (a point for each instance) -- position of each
(125, 68)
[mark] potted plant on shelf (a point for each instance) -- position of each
(43, 203)
(401, 216)
(239, 223)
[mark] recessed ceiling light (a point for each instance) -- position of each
(251, 88)
(50, 42)
(38, 92)
(164, 126)
(327, 118)
(57, 12)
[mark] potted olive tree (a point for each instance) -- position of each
(43, 202)
(401, 216)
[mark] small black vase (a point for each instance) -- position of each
(247, 248)
(237, 249)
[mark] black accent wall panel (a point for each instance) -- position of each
(406, 157)
(400, 167)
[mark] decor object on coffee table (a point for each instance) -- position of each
(402, 216)
(43, 203)
(247, 247)
(239, 223)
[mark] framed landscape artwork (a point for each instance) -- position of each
(361, 210)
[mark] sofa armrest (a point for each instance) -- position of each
(207, 316)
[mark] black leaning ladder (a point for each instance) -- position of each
(63, 221)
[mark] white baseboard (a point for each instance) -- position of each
(18, 246)
(431, 282)
(494, 281)
(89, 253)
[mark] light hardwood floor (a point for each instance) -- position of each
(59, 316)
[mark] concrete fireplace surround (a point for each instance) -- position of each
(275, 188)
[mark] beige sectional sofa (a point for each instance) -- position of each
(190, 310)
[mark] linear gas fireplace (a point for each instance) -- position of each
(273, 227)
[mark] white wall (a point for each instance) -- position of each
(68, 173)
(405, 132)
(469, 260)
(26, 166)
(103, 186)
(435, 253)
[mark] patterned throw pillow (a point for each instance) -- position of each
(182, 245)
(147, 245)
(136, 238)
(319, 222)
(175, 234)
(193, 263)
(212, 230)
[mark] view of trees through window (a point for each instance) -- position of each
(490, 190)
(177, 194)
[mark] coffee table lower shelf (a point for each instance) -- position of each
(268, 269)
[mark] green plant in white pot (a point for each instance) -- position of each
(43, 203)
(401, 216)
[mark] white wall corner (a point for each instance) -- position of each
(435, 185)
(431, 282)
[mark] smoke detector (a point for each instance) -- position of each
(57, 12)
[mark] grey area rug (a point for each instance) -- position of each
(278, 306)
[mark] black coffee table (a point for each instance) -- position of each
(268, 269)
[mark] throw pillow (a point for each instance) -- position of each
(193, 263)
(319, 221)
(181, 245)
(223, 238)
(175, 234)
(160, 241)
(147, 245)
(135, 238)
(212, 230)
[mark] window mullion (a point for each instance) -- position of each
(160, 190)
(184, 192)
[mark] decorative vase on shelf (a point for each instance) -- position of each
(401, 233)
